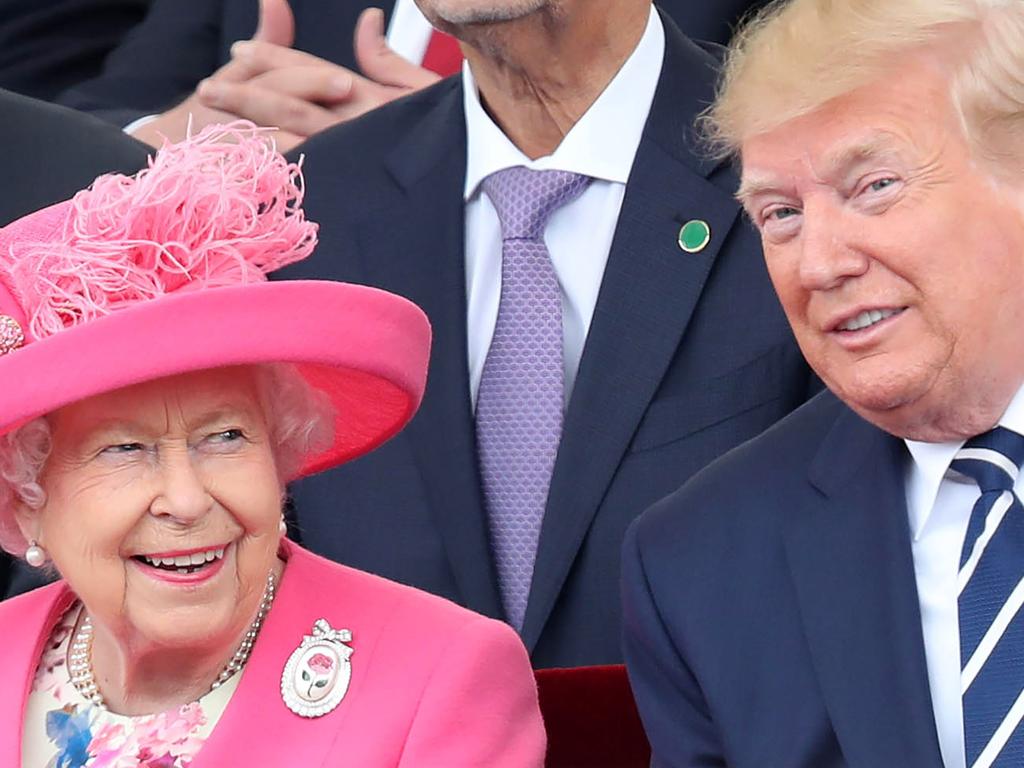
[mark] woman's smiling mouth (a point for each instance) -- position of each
(185, 563)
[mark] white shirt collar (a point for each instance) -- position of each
(603, 142)
(931, 462)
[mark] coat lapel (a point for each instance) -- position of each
(853, 572)
(424, 261)
(20, 651)
(648, 293)
(256, 728)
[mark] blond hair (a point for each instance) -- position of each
(794, 57)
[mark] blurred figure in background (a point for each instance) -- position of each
(47, 46)
(303, 73)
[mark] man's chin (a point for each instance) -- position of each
(452, 14)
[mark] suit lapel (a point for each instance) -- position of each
(853, 572)
(648, 293)
(424, 261)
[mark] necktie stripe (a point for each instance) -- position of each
(1002, 735)
(992, 522)
(992, 636)
(990, 586)
(990, 456)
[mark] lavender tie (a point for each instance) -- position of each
(519, 404)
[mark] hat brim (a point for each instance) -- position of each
(366, 349)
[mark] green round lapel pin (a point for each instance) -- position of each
(694, 236)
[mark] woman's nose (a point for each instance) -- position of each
(182, 492)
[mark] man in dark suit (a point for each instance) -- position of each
(844, 589)
(50, 153)
(188, 43)
(672, 347)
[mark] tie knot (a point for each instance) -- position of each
(525, 199)
(992, 459)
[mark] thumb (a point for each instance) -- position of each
(277, 24)
(381, 64)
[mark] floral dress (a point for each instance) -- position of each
(64, 730)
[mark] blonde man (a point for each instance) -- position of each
(844, 589)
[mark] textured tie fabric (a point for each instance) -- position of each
(443, 54)
(520, 400)
(991, 591)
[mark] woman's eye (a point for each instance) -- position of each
(124, 448)
(227, 435)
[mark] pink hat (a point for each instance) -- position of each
(165, 272)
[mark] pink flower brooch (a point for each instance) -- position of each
(317, 674)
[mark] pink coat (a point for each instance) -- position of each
(432, 683)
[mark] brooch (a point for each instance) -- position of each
(317, 674)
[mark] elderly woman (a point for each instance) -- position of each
(158, 395)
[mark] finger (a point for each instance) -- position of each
(257, 57)
(276, 28)
(364, 96)
(381, 64)
(267, 107)
(320, 85)
(276, 24)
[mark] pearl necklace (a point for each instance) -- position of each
(80, 657)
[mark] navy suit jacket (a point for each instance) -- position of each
(47, 47)
(183, 41)
(771, 614)
(51, 152)
(687, 356)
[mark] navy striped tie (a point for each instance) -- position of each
(991, 591)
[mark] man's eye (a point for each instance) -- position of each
(879, 184)
(781, 213)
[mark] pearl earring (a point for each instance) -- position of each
(283, 527)
(35, 555)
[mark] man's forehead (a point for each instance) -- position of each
(769, 162)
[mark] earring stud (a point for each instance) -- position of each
(35, 555)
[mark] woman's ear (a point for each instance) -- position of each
(29, 522)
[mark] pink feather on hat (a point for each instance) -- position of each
(175, 226)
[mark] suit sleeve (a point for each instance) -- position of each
(157, 65)
(671, 703)
(480, 706)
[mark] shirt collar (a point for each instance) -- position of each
(931, 462)
(603, 142)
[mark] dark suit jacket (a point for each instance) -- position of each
(687, 356)
(47, 47)
(183, 41)
(49, 154)
(770, 607)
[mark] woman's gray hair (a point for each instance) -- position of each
(300, 418)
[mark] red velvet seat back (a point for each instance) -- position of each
(591, 718)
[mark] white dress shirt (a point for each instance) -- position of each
(939, 503)
(579, 235)
(409, 31)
